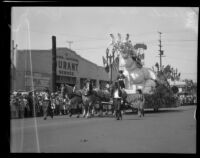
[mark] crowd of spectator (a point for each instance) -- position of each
(30, 104)
(187, 99)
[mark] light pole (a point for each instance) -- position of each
(110, 58)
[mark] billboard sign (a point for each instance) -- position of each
(66, 65)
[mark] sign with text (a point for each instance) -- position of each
(66, 65)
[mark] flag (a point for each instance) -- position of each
(157, 65)
(119, 37)
(127, 37)
(104, 61)
(107, 68)
(113, 38)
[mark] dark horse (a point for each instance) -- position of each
(75, 100)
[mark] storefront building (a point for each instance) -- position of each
(33, 70)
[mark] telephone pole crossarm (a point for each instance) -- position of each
(69, 42)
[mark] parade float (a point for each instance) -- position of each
(153, 85)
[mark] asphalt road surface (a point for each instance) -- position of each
(170, 130)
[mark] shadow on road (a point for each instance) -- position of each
(158, 112)
(133, 119)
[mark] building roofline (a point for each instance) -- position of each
(42, 50)
(79, 56)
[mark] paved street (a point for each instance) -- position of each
(167, 131)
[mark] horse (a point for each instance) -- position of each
(74, 100)
(102, 95)
(89, 98)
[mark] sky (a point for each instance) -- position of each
(89, 28)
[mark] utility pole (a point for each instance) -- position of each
(161, 51)
(69, 42)
(54, 64)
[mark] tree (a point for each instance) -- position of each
(107, 68)
(167, 71)
(189, 85)
(174, 89)
(157, 66)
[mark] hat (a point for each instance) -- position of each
(46, 90)
(139, 91)
(120, 71)
(86, 81)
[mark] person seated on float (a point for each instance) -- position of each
(121, 78)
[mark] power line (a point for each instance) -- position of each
(181, 40)
(180, 60)
(189, 73)
(95, 38)
(151, 43)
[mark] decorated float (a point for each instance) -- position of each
(153, 85)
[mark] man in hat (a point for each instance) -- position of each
(63, 89)
(121, 78)
(53, 103)
(87, 87)
(117, 95)
(47, 105)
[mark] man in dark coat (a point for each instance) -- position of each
(30, 103)
(121, 79)
(63, 89)
(117, 96)
(47, 105)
